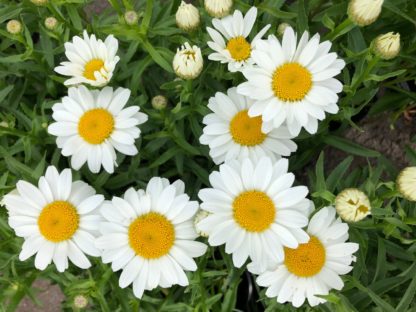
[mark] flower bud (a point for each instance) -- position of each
(187, 17)
(364, 12)
(80, 301)
(14, 27)
(39, 2)
(201, 215)
(188, 62)
(387, 46)
(131, 18)
(159, 102)
(352, 205)
(218, 8)
(406, 183)
(51, 23)
(281, 29)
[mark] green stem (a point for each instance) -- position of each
(147, 16)
(230, 296)
(365, 74)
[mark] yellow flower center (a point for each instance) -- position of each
(91, 67)
(96, 125)
(254, 211)
(306, 260)
(246, 130)
(239, 48)
(58, 221)
(291, 82)
(151, 235)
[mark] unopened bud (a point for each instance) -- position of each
(14, 27)
(51, 23)
(80, 301)
(131, 18)
(159, 102)
(39, 2)
(187, 17)
(218, 8)
(364, 12)
(281, 29)
(387, 46)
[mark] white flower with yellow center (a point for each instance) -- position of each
(218, 8)
(292, 82)
(91, 124)
(352, 205)
(58, 219)
(364, 12)
(313, 268)
(188, 62)
(406, 183)
(91, 61)
(231, 133)
(151, 236)
(254, 210)
(235, 49)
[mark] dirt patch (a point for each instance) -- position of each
(50, 296)
(379, 134)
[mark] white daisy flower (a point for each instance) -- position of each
(58, 219)
(231, 133)
(254, 209)
(292, 83)
(314, 267)
(91, 61)
(235, 49)
(91, 124)
(150, 235)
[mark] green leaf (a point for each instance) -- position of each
(376, 299)
(320, 175)
(338, 173)
(302, 18)
(375, 77)
(170, 153)
(157, 57)
(4, 92)
(8, 12)
(408, 296)
(276, 12)
(74, 16)
(350, 147)
(392, 7)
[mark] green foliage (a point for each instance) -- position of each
(383, 278)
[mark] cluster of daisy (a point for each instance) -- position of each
(252, 207)
(90, 125)
(148, 234)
